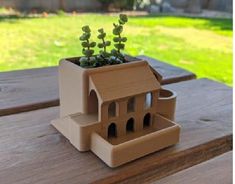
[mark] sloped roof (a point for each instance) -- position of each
(124, 81)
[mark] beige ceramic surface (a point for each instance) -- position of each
(119, 112)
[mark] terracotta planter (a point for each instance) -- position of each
(112, 109)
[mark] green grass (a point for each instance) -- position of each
(203, 46)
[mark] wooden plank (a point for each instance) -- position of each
(170, 74)
(216, 171)
(26, 90)
(32, 151)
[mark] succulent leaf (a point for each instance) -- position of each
(86, 29)
(85, 44)
(100, 45)
(116, 39)
(92, 44)
(121, 22)
(119, 46)
(101, 30)
(124, 39)
(123, 17)
(115, 31)
(107, 43)
(82, 38)
(86, 36)
(88, 53)
(101, 36)
(83, 61)
(114, 52)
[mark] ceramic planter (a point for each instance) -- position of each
(120, 112)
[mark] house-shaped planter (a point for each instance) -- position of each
(119, 112)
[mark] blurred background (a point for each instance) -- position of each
(192, 34)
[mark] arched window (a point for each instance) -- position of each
(93, 102)
(112, 130)
(147, 120)
(112, 109)
(148, 100)
(130, 125)
(131, 105)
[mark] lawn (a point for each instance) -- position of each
(203, 46)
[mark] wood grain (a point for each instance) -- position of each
(32, 151)
(216, 171)
(26, 90)
(170, 73)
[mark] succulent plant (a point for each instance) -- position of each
(104, 57)
(118, 39)
(87, 45)
(104, 44)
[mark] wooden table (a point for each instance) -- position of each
(38, 88)
(32, 151)
(217, 171)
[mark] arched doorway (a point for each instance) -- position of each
(112, 130)
(147, 120)
(130, 125)
(93, 102)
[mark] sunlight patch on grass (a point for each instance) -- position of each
(200, 38)
(220, 26)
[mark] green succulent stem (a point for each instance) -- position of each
(119, 42)
(104, 44)
(88, 48)
(117, 31)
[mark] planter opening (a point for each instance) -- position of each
(165, 93)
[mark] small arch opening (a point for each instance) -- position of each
(112, 130)
(112, 109)
(131, 105)
(130, 125)
(93, 102)
(147, 120)
(148, 100)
